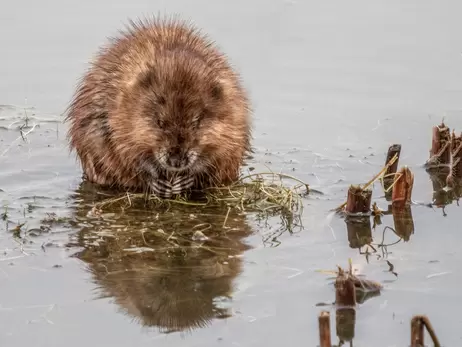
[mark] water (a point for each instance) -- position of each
(332, 83)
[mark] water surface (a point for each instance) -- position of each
(333, 85)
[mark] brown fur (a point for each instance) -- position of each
(143, 93)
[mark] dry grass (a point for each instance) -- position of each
(258, 192)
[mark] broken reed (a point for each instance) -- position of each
(389, 176)
(261, 192)
(345, 300)
(402, 188)
(324, 329)
(456, 164)
(418, 325)
(440, 152)
(393, 150)
(399, 184)
(446, 151)
(401, 199)
(358, 200)
(364, 196)
(446, 154)
(398, 187)
(349, 289)
(345, 289)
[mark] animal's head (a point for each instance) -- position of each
(184, 113)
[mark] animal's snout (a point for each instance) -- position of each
(177, 158)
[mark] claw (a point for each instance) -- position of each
(182, 183)
(161, 188)
(166, 189)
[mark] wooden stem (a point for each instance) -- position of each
(324, 329)
(417, 332)
(359, 200)
(455, 174)
(345, 299)
(388, 177)
(402, 190)
(418, 323)
(431, 331)
(392, 150)
(440, 153)
(345, 290)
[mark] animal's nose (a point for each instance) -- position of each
(174, 161)
(177, 158)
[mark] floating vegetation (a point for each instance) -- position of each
(259, 192)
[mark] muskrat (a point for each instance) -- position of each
(160, 110)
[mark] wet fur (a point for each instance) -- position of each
(170, 65)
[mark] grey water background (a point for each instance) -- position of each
(332, 84)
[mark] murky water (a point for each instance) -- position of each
(333, 85)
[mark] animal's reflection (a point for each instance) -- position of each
(167, 268)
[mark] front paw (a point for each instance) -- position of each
(161, 188)
(165, 189)
(182, 183)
